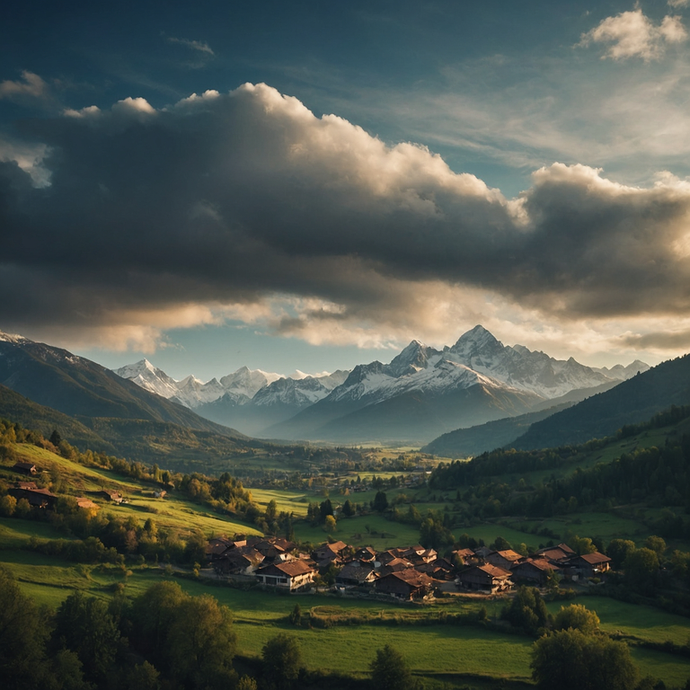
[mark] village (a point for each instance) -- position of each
(404, 573)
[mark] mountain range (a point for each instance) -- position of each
(422, 393)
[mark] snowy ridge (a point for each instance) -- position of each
(237, 389)
(477, 358)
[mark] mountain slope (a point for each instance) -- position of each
(631, 402)
(79, 387)
(31, 415)
(425, 392)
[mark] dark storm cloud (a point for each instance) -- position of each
(662, 341)
(232, 199)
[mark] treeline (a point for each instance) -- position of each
(660, 475)
(510, 461)
(163, 639)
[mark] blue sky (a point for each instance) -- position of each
(520, 165)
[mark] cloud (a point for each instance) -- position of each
(674, 340)
(200, 46)
(246, 206)
(678, 3)
(30, 86)
(632, 34)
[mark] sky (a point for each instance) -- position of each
(311, 185)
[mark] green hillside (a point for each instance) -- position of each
(631, 402)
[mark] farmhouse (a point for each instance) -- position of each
(25, 468)
(39, 498)
(406, 584)
(487, 577)
(243, 560)
(504, 559)
(326, 554)
(354, 574)
(591, 564)
(109, 495)
(290, 575)
(535, 570)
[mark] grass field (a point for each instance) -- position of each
(606, 525)
(354, 531)
(287, 501)
(439, 650)
(643, 622)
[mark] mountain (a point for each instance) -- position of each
(80, 388)
(631, 402)
(425, 392)
(271, 404)
(16, 408)
(240, 386)
(467, 443)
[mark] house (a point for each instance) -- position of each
(486, 577)
(590, 564)
(355, 574)
(535, 570)
(291, 575)
(217, 546)
(25, 468)
(38, 498)
(406, 584)
(326, 554)
(243, 560)
(556, 554)
(109, 495)
(506, 559)
(464, 556)
(365, 555)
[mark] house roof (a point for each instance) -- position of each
(293, 568)
(539, 563)
(493, 570)
(508, 554)
(24, 466)
(594, 558)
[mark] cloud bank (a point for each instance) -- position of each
(632, 34)
(246, 206)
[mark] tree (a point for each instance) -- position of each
(571, 660)
(201, 639)
(582, 545)
(8, 504)
(501, 544)
(433, 535)
(527, 610)
(84, 625)
(271, 510)
(641, 570)
(380, 502)
(656, 544)
(325, 509)
(348, 509)
(296, 615)
(329, 524)
(618, 550)
(390, 671)
(576, 617)
(22, 637)
(282, 661)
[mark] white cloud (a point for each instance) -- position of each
(632, 34)
(200, 46)
(31, 86)
(678, 3)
